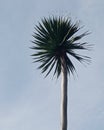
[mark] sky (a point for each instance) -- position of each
(27, 99)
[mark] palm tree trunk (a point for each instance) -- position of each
(63, 95)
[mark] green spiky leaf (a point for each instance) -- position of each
(54, 38)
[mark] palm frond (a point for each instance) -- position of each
(54, 38)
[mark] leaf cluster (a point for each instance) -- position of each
(56, 38)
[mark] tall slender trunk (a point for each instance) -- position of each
(64, 95)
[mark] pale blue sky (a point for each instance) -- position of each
(27, 100)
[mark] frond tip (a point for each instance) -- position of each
(57, 37)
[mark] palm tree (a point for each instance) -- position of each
(55, 42)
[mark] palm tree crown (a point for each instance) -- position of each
(57, 38)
